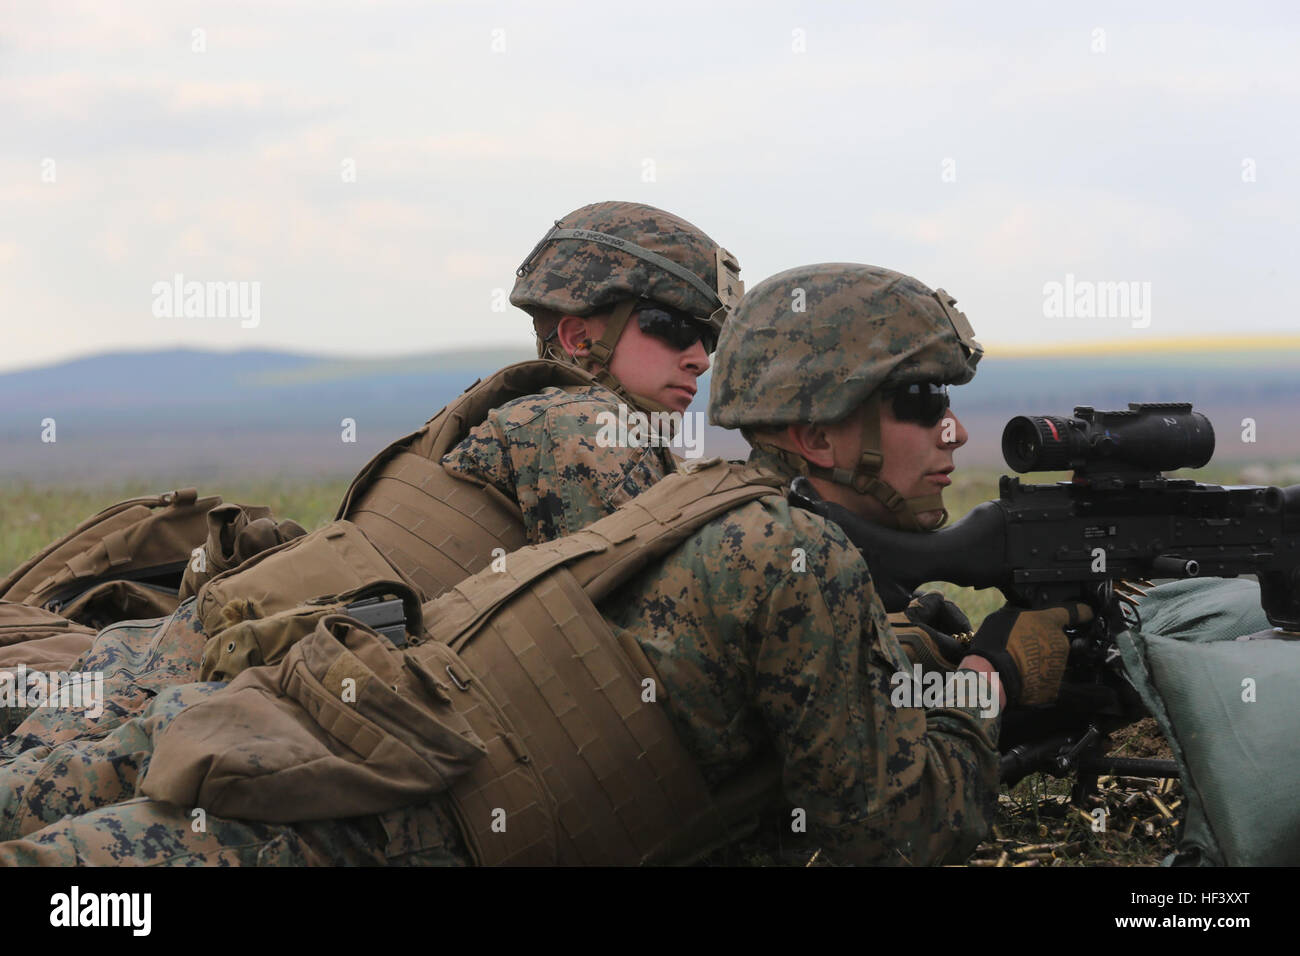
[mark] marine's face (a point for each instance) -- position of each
(650, 366)
(917, 459)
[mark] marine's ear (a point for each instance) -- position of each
(813, 443)
(575, 331)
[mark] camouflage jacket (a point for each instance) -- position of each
(542, 451)
(765, 630)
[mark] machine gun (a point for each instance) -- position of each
(1118, 520)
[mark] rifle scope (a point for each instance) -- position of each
(1150, 436)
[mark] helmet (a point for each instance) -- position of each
(811, 344)
(610, 254)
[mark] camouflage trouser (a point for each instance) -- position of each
(138, 659)
(142, 832)
(42, 785)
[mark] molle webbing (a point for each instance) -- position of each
(585, 770)
(436, 527)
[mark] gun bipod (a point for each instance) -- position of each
(1079, 752)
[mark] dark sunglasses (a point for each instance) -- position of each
(679, 329)
(921, 403)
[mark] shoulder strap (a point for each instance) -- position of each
(610, 551)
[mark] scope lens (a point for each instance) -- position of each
(1036, 443)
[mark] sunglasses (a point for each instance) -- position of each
(921, 403)
(679, 329)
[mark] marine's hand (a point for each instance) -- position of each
(936, 611)
(1029, 649)
(933, 631)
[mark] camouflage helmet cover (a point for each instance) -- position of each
(609, 252)
(812, 343)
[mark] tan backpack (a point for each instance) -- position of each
(124, 562)
(139, 558)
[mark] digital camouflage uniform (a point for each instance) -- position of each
(754, 653)
(540, 450)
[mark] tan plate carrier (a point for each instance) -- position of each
(404, 517)
(435, 527)
(582, 767)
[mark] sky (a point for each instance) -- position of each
(374, 172)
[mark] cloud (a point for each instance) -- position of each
(228, 165)
(78, 113)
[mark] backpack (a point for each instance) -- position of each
(125, 562)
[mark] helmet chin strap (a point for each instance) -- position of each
(864, 477)
(601, 353)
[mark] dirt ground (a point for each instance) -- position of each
(1038, 825)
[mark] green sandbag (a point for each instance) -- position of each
(1223, 686)
(1204, 609)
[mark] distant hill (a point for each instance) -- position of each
(184, 414)
(192, 415)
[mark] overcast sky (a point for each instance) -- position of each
(987, 149)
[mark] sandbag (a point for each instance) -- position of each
(1227, 704)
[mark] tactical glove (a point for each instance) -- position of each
(1029, 649)
(933, 631)
(936, 611)
(235, 534)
